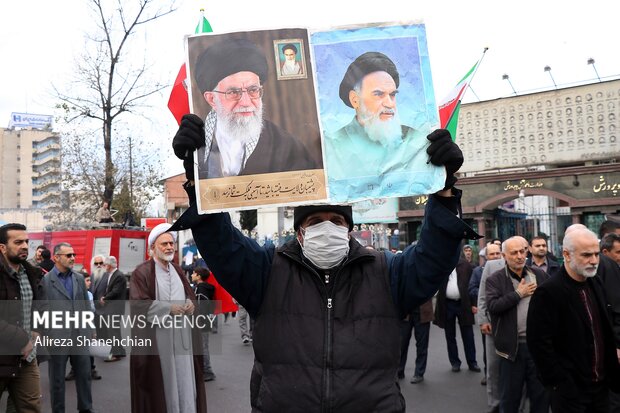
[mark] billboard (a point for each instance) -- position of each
(30, 120)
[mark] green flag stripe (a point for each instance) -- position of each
(468, 73)
(203, 26)
(452, 123)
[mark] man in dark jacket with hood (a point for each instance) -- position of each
(19, 288)
(326, 309)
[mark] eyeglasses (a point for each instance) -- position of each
(98, 264)
(70, 255)
(235, 94)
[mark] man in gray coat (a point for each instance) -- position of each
(65, 290)
(484, 321)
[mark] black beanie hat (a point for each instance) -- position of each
(301, 212)
(367, 63)
(227, 57)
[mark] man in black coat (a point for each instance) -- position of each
(453, 301)
(326, 309)
(113, 303)
(205, 294)
(609, 273)
(540, 256)
(569, 332)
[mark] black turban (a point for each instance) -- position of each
(226, 58)
(301, 212)
(290, 46)
(367, 63)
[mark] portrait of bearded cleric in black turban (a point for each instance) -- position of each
(255, 124)
(377, 107)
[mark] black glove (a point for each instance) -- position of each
(188, 138)
(444, 152)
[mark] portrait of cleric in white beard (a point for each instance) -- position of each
(232, 77)
(374, 134)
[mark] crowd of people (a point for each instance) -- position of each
(329, 321)
(550, 327)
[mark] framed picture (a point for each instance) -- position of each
(267, 150)
(290, 59)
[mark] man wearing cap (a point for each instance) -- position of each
(235, 138)
(169, 378)
(327, 310)
(374, 142)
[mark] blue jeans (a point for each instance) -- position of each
(513, 375)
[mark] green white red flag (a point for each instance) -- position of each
(178, 103)
(450, 106)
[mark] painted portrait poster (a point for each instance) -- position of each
(262, 134)
(377, 106)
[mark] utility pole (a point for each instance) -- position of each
(130, 175)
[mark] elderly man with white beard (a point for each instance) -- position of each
(170, 378)
(237, 139)
(569, 332)
(374, 142)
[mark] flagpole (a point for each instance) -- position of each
(468, 84)
(474, 74)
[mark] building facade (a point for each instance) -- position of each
(30, 168)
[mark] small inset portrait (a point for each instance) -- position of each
(290, 59)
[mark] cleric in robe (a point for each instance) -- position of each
(231, 75)
(168, 378)
(374, 142)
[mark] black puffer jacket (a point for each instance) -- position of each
(327, 347)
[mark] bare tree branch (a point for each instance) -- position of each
(107, 85)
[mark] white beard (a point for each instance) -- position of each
(97, 273)
(386, 132)
(290, 68)
(588, 272)
(164, 257)
(233, 133)
(238, 128)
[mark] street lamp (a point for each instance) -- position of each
(506, 77)
(591, 62)
(548, 69)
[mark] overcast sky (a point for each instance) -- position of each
(39, 40)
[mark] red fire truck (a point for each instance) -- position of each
(128, 246)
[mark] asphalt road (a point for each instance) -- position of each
(442, 390)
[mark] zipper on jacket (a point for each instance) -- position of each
(328, 356)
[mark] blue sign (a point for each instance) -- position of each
(30, 120)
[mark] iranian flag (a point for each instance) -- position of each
(178, 103)
(450, 106)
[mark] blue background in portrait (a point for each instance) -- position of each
(406, 46)
(281, 51)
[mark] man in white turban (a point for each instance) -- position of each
(169, 378)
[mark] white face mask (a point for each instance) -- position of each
(325, 244)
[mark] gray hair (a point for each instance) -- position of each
(92, 260)
(58, 247)
(111, 261)
(513, 238)
(568, 243)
